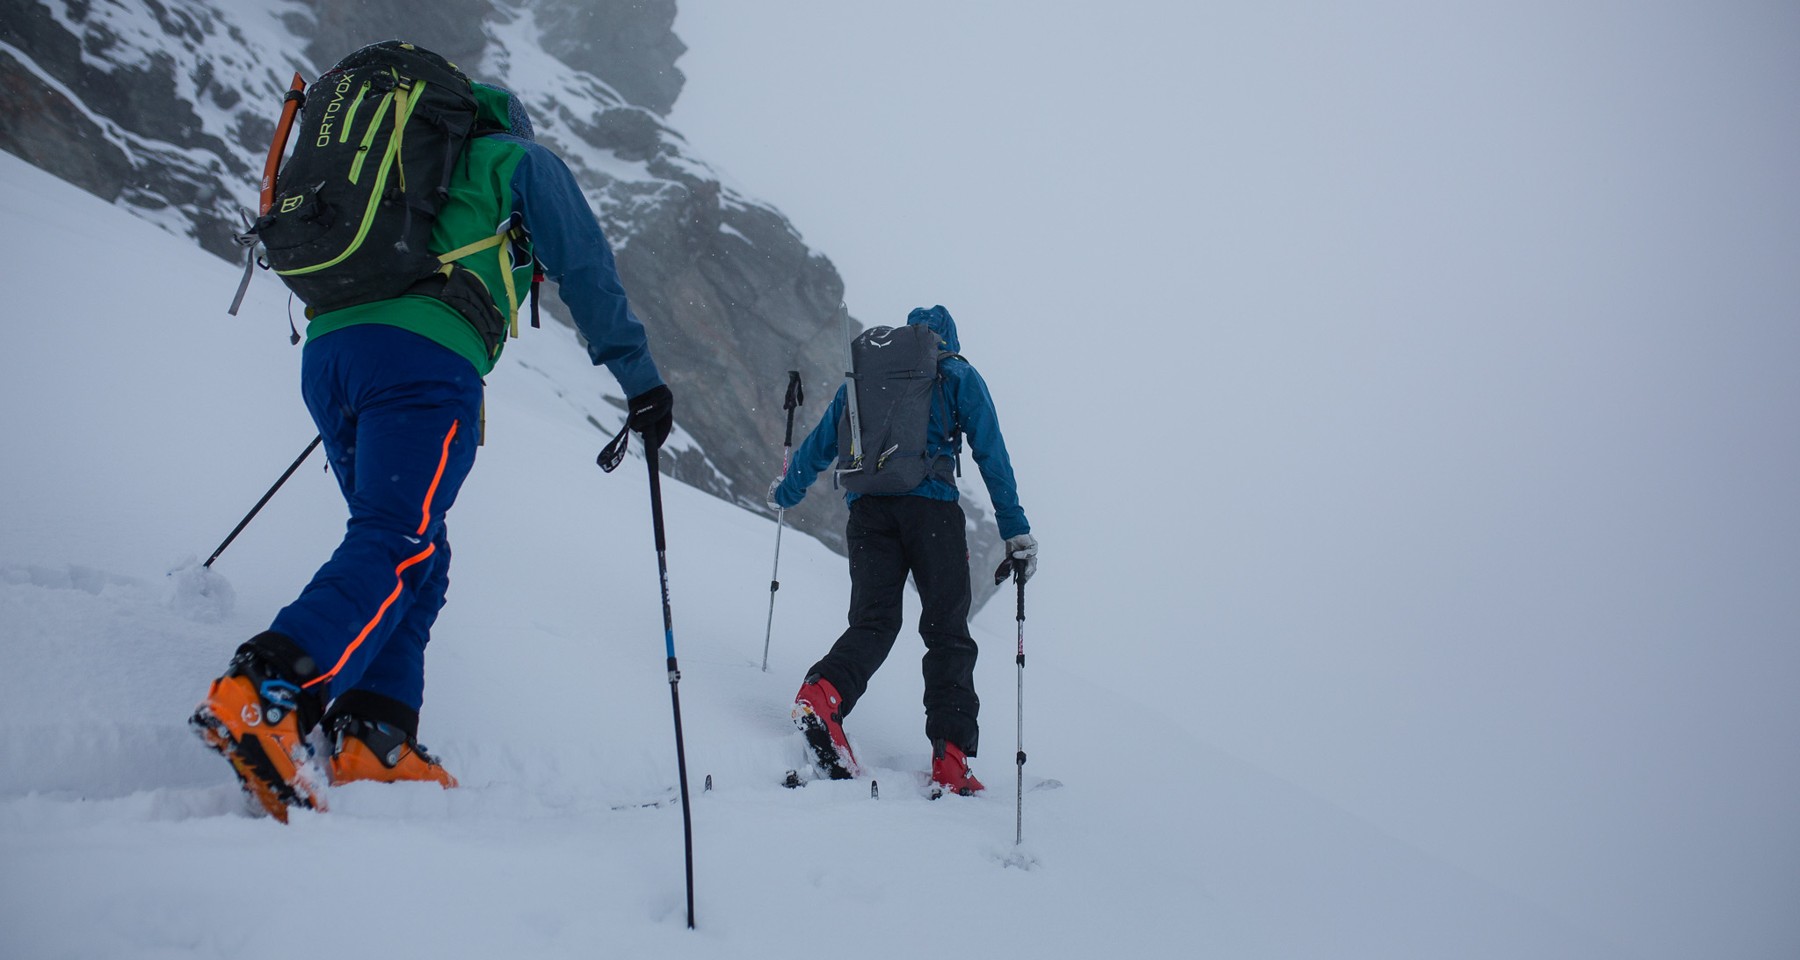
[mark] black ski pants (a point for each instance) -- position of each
(890, 537)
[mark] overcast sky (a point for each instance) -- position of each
(1409, 387)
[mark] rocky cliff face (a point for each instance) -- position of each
(167, 107)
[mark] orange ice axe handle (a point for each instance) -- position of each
(296, 96)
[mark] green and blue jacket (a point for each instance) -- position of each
(507, 178)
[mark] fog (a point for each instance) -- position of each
(1425, 373)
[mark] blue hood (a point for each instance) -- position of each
(938, 319)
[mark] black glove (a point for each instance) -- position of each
(652, 415)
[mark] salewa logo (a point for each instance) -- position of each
(881, 343)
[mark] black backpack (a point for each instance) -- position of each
(353, 208)
(894, 377)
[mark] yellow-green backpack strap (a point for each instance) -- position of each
(451, 256)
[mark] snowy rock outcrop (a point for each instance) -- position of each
(166, 108)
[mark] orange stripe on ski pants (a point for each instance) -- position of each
(437, 477)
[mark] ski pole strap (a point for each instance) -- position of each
(614, 452)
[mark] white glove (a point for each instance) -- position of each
(1023, 551)
(769, 501)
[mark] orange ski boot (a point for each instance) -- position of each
(371, 750)
(257, 717)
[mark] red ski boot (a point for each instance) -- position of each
(950, 770)
(817, 714)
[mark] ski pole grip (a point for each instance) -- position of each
(796, 393)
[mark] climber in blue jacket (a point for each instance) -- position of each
(918, 532)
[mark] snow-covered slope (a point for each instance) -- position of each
(168, 108)
(140, 423)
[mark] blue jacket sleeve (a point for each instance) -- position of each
(975, 410)
(813, 455)
(573, 249)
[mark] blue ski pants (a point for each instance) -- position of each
(399, 415)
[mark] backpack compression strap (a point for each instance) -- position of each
(956, 430)
(510, 230)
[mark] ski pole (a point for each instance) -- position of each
(1017, 571)
(260, 503)
(611, 457)
(662, 569)
(796, 395)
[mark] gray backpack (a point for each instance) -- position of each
(881, 438)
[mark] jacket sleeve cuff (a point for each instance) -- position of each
(1011, 524)
(636, 376)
